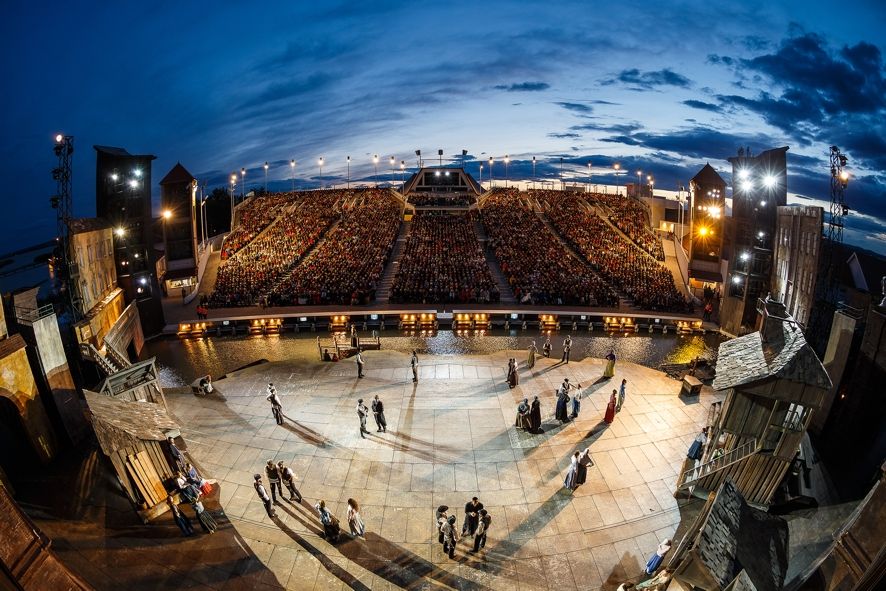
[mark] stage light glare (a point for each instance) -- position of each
(736, 280)
(762, 204)
(743, 174)
(59, 138)
(167, 214)
(745, 256)
(137, 172)
(844, 176)
(747, 185)
(702, 231)
(120, 231)
(769, 181)
(114, 177)
(133, 183)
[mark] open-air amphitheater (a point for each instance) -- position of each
(445, 242)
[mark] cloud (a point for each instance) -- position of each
(576, 107)
(620, 128)
(648, 80)
(524, 87)
(564, 135)
(703, 106)
(696, 142)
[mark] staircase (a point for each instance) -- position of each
(88, 351)
(383, 289)
(693, 475)
(118, 358)
(504, 288)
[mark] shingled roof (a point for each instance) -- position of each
(178, 175)
(736, 536)
(708, 176)
(144, 421)
(779, 351)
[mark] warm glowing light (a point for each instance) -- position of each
(616, 166)
(120, 231)
(507, 158)
(844, 176)
(321, 161)
(760, 234)
(167, 214)
(702, 231)
(375, 159)
(292, 163)
(59, 138)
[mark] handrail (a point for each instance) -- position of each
(731, 457)
(33, 314)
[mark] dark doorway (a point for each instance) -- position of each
(16, 453)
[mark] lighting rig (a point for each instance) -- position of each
(61, 203)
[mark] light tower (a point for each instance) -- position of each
(61, 202)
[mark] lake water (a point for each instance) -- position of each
(180, 361)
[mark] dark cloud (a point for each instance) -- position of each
(620, 128)
(818, 95)
(564, 135)
(649, 80)
(695, 142)
(695, 104)
(523, 87)
(576, 107)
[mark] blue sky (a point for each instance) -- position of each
(663, 87)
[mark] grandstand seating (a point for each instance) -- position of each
(631, 217)
(346, 266)
(443, 262)
(536, 264)
(254, 216)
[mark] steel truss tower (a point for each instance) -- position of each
(61, 202)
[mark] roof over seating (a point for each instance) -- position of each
(460, 181)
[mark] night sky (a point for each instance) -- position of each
(220, 87)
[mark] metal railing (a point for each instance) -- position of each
(32, 315)
(693, 475)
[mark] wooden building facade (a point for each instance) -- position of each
(774, 382)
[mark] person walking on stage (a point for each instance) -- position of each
(441, 518)
(656, 559)
(263, 495)
(513, 379)
(535, 416)
(567, 346)
(276, 405)
(359, 360)
(576, 402)
(288, 478)
(450, 536)
(584, 460)
(414, 364)
(273, 475)
(610, 364)
(378, 413)
(355, 522)
(331, 528)
(530, 362)
(472, 516)
(621, 395)
(610, 409)
(181, 520)
(482, 529)
(362, 412)
(571, 480)
(523, 421)
(546, 348)
(561, 414)
(696, 450)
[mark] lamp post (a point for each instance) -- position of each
(561, 173)
(349, 172)
(589, 176)
(233, 185)
(292, 173)
(320, 162)
(481, 174)
(375, 162)
(651, 185)
(266, 177)
(533, 172)
(507, 177)
(242, 184)
(617, 168)
(639, 176)
(403, 172)
(392, 170)
(490, 173)
(167, 215)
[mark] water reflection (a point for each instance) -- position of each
(181, 361)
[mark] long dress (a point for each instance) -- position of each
(355, 522)
(561, 413)
(571, 481)
(697, 447)
(513, 380)
(610, 366)
(206, 521)
(610, 410)
(584, 461)
(531, 361)
(535, 416)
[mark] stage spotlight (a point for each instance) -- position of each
(769, 181)
(120, 231)
(747, 185)
(743, 174)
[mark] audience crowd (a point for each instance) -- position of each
(631, 217)
(245, 278)
(646, 281)
(346, 266)
(254, 216)
(443, 262)
(536, 264)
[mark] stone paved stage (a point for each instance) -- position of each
(450, 437)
